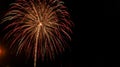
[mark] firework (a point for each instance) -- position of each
(40, 27)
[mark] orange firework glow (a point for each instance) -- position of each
(2, 51)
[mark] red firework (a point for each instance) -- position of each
(42, 27)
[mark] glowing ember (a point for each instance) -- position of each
(2, 51)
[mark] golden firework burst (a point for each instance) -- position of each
(40, 27)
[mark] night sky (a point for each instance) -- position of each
(112, 8)
(86, 49)
(110, 28)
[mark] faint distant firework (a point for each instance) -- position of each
(40, 27)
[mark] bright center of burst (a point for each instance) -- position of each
(40, 24)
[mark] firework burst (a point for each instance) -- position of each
(40, 27)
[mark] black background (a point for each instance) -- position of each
(112, 8)
(86, 46)
(110, 28)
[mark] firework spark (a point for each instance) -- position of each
(40, 27)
